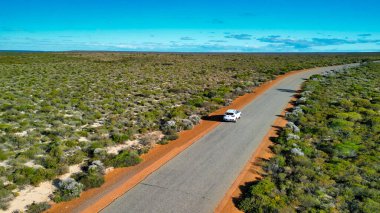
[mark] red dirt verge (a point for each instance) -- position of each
(121, 180)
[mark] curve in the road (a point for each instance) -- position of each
(197, 179)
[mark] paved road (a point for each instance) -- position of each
(197, 179)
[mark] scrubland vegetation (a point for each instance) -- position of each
(327, 157)
(62, 109)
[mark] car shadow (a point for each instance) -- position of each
(288, 90)
(216, 118)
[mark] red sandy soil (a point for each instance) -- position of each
(157, 157)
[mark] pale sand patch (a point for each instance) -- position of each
(72, 170)
(115, 149)
(21, 134)
(83, 139)
(38, 194)
(155, 136)
(32, 164)
(4, 163)
(109, 169)
(95, 125)
(68, 116)
(31, 194)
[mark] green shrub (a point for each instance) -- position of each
(197, 102)
(120, 138)
(163, 141)
(124, 159)
(5, 127)
(37, 207)
(5, 196)
(3, 155)
(351, 116)
(308, 201)
(89, 180)
(264, 198)
(67, 190)
(342, 125)
(76, 158)
(171, 137)
(28, 175)
(177, 112)
(347, 149)
(218, 100)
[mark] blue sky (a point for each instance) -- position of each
(199, 26)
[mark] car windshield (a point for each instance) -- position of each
(229, 113)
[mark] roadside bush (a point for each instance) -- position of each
(92, 175)
(37, 207)
(96, 166)
(67, 190)
(186, 124)
(163, 141)
(170, 130)
(168, 126)
(92, 179)
(123, 159)
(264, 198)
(195, 119)
(148, 140)
(171, 135)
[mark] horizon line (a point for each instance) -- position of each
(180, 52)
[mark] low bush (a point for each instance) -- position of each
(67, 190)
(119, 138)
(27, 175)
(6, 195)
(89, 180)
(3, 155)
(37, 207)
(76, 157)
(92, 175)
(123, 159)
(171, 136)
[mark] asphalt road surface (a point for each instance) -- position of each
(197, 179)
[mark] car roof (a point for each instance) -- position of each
(231, 111)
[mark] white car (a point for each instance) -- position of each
(232, 115)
